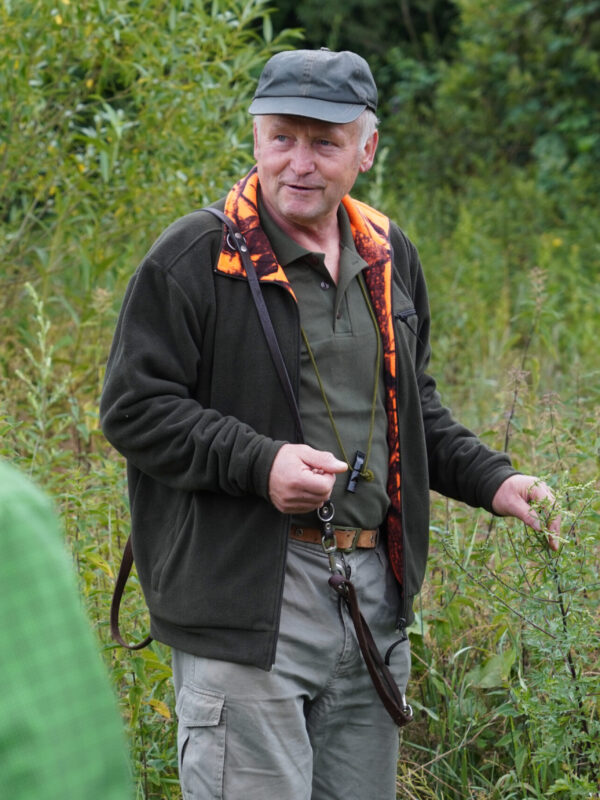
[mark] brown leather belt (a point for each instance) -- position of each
(348, 539)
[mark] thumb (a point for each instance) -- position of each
(323, 461)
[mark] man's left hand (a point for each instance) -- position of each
(514, 498)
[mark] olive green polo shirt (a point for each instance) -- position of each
(343, 338)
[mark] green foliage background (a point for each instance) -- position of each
(117, 116)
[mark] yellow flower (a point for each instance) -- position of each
(58, 19)
(557, 241)
(66, 2)
(89, 83)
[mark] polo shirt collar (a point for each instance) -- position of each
(287, 250)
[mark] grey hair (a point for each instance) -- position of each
(368, 123)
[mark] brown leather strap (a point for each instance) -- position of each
(382, 678)
(124, 570)
(237, 241)
(347, 539)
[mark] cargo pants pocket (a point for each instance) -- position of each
(201, 743)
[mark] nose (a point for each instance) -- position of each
(302, 161)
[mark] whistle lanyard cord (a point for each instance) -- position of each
(365, 473)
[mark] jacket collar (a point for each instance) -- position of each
(369, 229)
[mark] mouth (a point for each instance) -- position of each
(297, 187)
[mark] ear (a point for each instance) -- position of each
(255, 133)
(368, 153)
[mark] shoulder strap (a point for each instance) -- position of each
(237, 241)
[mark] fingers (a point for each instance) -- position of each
(542, 493)
(514, 498)
(539, 492)
(302, 478)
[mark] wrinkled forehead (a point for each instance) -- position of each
(309, 125)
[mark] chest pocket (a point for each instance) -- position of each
(406, 327)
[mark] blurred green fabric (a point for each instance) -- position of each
(61, 737)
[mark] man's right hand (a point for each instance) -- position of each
(302, 478)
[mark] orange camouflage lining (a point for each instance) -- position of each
(370, 231)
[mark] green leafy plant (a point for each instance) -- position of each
(509, 706)
(117, 116)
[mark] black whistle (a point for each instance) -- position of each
(359, 460)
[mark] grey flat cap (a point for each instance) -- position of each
(320, 84)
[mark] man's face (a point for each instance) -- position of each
(306, 166)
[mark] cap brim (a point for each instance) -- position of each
(311, 107)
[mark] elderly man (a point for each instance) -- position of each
(273, 696)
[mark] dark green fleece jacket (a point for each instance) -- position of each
(192, 400)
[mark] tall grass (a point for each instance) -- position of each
(506, 641)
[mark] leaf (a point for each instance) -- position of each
(267, 28)
(494, 672)
(172, 18)
(97, 561)
(104, 166)
(135, 698)
(160, 707)
(429, 711)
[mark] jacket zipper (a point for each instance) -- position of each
(401, 621)
(287, 525)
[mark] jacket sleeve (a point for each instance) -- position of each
(460, 465)
(149, 409)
